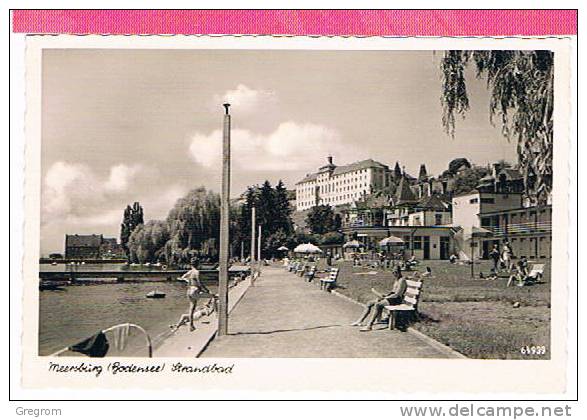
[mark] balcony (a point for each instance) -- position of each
(526, 228)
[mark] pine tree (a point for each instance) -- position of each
(266, 208)
(282, 209)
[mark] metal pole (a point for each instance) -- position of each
(253, 225)
(242, 251)
(472, 260)
(259, 249)
(224, 222)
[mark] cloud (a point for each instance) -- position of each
(106, 218)
(74, 190)
(65, 184)
(291, 146)
(158, 206)
(120, 177)
(245, 98)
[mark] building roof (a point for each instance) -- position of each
(89, 241)
(512, 174)
(423, 174)
(372, 201)
(404, 193)
(351, 167)
(433, 202)
(356, 166)
(308, 178)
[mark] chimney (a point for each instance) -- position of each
(329, 158)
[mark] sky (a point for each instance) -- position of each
(120, 126)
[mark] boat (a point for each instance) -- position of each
(52, 284)
(155, 294)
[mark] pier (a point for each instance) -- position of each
(122, 275)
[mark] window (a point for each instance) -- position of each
(417, 242)
(438, 219)
(473, 200)
(488, 200)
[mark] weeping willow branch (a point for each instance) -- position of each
(521, 86)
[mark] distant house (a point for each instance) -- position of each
(82, 246)
(92, 247)
(111, 249)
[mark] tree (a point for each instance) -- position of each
(272, 212)
(320, 219)
(469, 179)
(132, 218)
(147, 241)
(266, 212)
(331, 238)
(521, 84)
(274, 241)
(457, 164)
(282, 209)
(194, 225)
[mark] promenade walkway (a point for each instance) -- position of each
(284, 316)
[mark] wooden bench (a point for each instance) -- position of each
(301, 269)
(329, 282)
(293, 266)
(409, 304)
(311, 273)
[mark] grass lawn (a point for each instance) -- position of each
(474, 316)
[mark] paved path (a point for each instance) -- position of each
(186, 343)
(284, 316)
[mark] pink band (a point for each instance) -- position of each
(300, 22)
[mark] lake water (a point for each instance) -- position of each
(96, 267)
(77, 312)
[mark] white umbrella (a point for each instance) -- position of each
(283, 248)
(352, 244)
(391, 240)
(307, 249)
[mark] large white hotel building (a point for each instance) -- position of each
(335, 185)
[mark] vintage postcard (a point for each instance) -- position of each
(293, 213)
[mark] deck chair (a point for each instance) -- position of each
(535, 275)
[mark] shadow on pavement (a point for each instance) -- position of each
(288, 330)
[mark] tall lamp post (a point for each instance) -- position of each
(472, 257)
(224, 221)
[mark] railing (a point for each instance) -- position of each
(520, 228)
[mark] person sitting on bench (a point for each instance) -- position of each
(376, 306)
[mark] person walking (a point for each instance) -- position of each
(495, 256)
(506, 255)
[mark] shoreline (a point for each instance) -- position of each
(184, 343)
